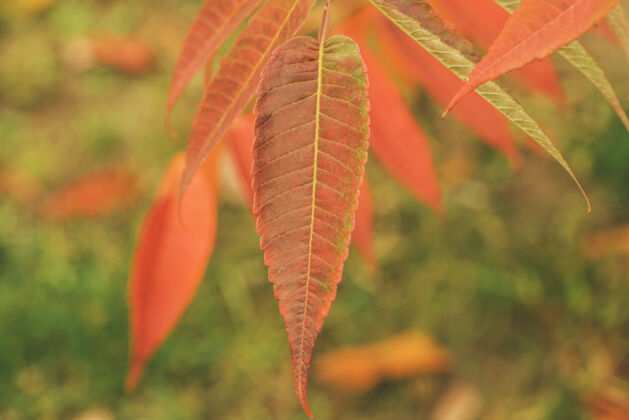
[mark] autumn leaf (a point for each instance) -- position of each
(416, 65)
(309, 155)
(481, 21)
(214, 23)
(95, 194)
(360, 368)
(174, 246)
(533, 31)
(418, 21)
(238, 75)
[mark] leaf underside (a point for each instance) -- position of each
(238, 75)
(309, 154)
(578, 56)
(417, 20)
(214, 23)
(534, 31)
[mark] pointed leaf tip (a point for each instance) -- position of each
(534, 31)
(309, 152)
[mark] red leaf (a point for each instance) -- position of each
(396, 139)
(309, 155)
(214, 23)
(362, 237)
(174, 246)
(533, 31)
(419, 67)
(481, 22)
(94, 195)
(238, 75)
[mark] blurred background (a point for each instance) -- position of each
(513, 305)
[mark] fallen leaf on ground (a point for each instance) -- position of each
(360, 368)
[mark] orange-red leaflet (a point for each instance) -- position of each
(481, 21)
(214, 23)
(309, 155)
(235, 82)
(174, 246)
(533, 31)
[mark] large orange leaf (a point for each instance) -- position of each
(533, 31)
(92, 195)
(416, 65)
(481, 21)
(309, 155)
(173, 249)
(236, 80)
(396, 139)
(214, 23)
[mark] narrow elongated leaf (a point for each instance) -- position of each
(418, 21)
(619, 24)
(214, 23)
(396, 138)
(173, 249)
(481, 21)
(309, 155)
(578, 56)
(534, 31)
(419, 67)
(239, 73)
(362, 237)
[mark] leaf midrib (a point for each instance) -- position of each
(512, 51)
(313, 204)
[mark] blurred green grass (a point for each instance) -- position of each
(500, 281)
